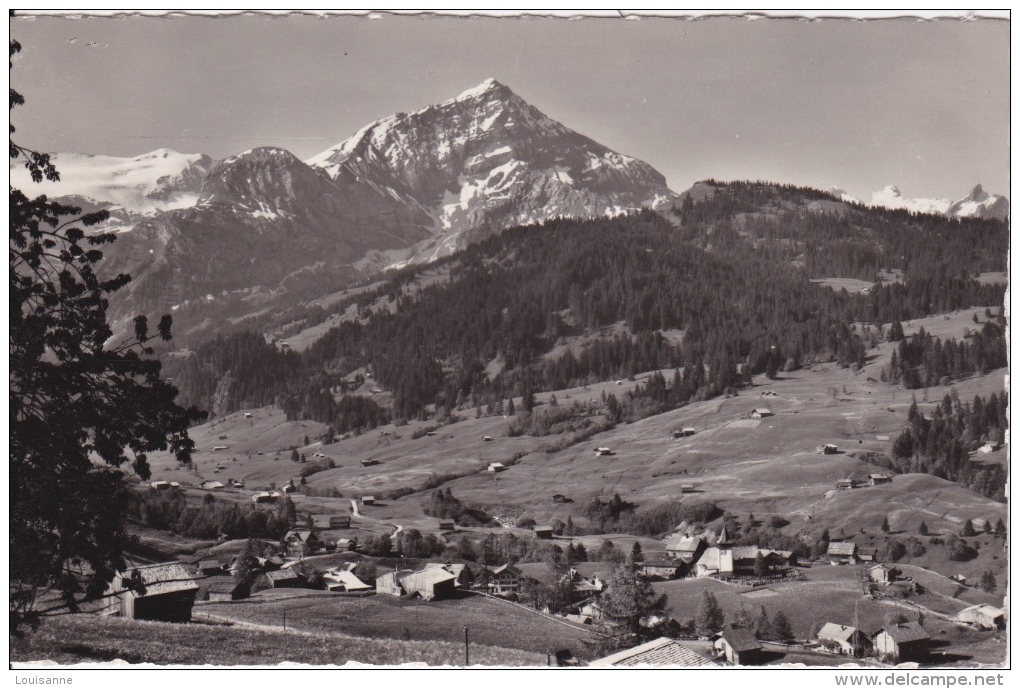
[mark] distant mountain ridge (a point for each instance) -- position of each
(977, 204)
(129, 188)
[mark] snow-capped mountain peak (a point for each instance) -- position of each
(977, 204)
(980, 204)
(489, 84)
(486, 160)
(129, 188)
(844, 195)
(890, 197)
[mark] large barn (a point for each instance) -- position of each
(165, 591)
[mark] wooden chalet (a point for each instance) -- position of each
(165, 591)
(761, 413)
(907, 642)
(368, 500)
(844, 484)
(447, 525)
(495, 467)
(879, 479)
(738, 646)
(842, 552)
(160, 485)
(342, 521)
(301, 542)
(503, 580)
(544, 531)
(662, 651)
(839, 638)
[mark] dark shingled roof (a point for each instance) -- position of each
(905, 633)
(741, 640)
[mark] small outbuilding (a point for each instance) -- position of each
(282, 579)
(164, 592)
(867, 554)
(907, 642)
(879, 479)
(983, 616)
(211, 485)
(544, 531)
(447, 525)
(883, 574)
(496, 467)
(430, 584)
(842, 552)
(660, 568)
(209, 567)
(228, 590)
(341, 521)
(344, 581)
(761, 413)
(845, 484)
(738, 646)
(368, 500)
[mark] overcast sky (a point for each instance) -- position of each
(923, 105)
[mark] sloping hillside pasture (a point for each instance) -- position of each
(73, 639)
(831, 594)
(766, 469)
(767, 466)
(489, 622)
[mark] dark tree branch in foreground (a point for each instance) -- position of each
(77, 408)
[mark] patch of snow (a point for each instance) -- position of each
(121, 182)
(890, 197)
(479, 90)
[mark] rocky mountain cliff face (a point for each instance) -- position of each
(487, 160)
(264, 223)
